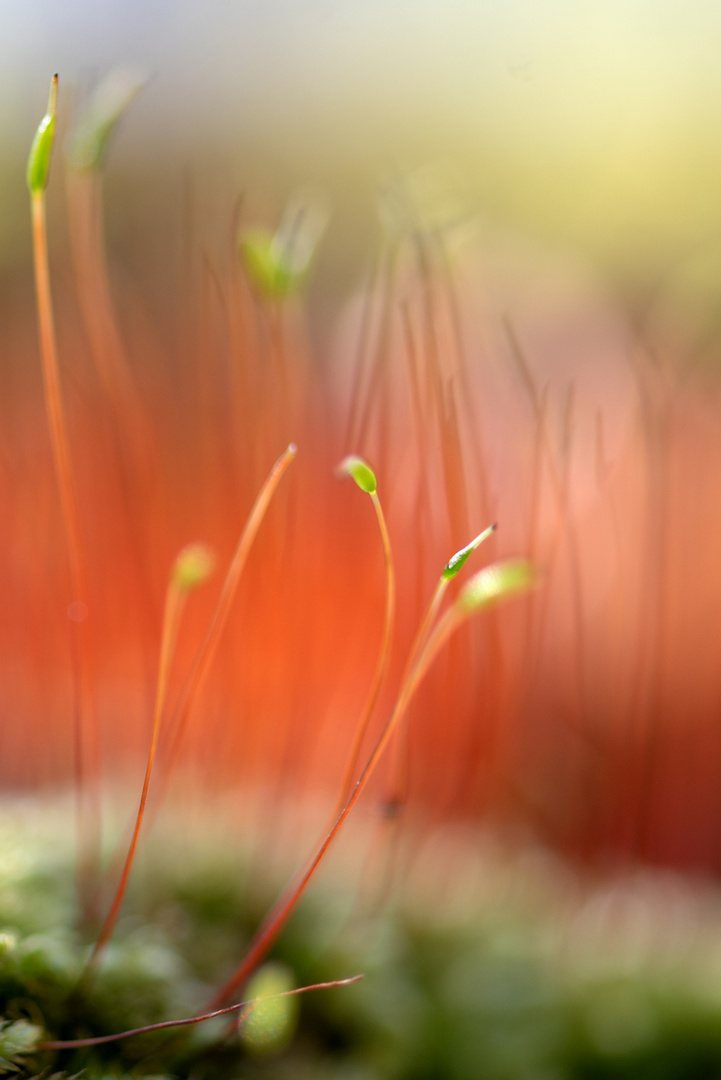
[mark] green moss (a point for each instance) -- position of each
(522, 979)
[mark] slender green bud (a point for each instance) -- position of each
(279, 264)
(497, 582)
(193, 566)
(361, 472)
(459, 559)
(268, 276)
(96, 126)
(38, 168)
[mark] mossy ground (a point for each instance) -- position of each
(483, 964)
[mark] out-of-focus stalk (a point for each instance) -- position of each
(491, 585)
(85, 725)
(366, 481)
(201, 666)
(192, 567)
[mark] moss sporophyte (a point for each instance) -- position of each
(67, 1018)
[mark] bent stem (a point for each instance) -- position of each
(450, 570)
(199, 671)
(130, 427)
(85, 727)
(383, 655)
(452, 567)
(490, 585)
(76, 1044)
(191, 567)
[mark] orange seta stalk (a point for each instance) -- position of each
(192, 567)
(383, 655)
(453, 566)
(451, 569)
(489, 586)
(199, 671)
(201, 665)
(86, 748)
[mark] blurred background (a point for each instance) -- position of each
(524, 219)
(591, 127)
(514, 313)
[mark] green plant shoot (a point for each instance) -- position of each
(38, 169)
(455, 563)
(278, 264)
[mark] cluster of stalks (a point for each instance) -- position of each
(587, 713)
(279, 263)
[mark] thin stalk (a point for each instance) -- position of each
(174, 603)
(452, 568)
(392, 804)
(201, 665)
(86, 748)
(377, 375)
(423, 517)
(191, 567)
(473, 419)
(362, 350)
(86, 234)
(128, 423)
(76, 1044)
(383, 655)
(450, 571)
(441, 394)
(279, 913)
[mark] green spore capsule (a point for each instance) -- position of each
(360, 471)
(455, 563)
(497, 582)
(38, 169)
(193, 566)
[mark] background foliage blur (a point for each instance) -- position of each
(576, 147)
(591, 126)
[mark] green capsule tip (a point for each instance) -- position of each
(455, 563)
(360, 471)
(193, 566)
(38, 169)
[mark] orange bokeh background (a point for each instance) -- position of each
(586, 713)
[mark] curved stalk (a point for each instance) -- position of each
(163, 1025)
(489, 586)
(86, 753)
(191, 568)
(383, 655)
(201, 665)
